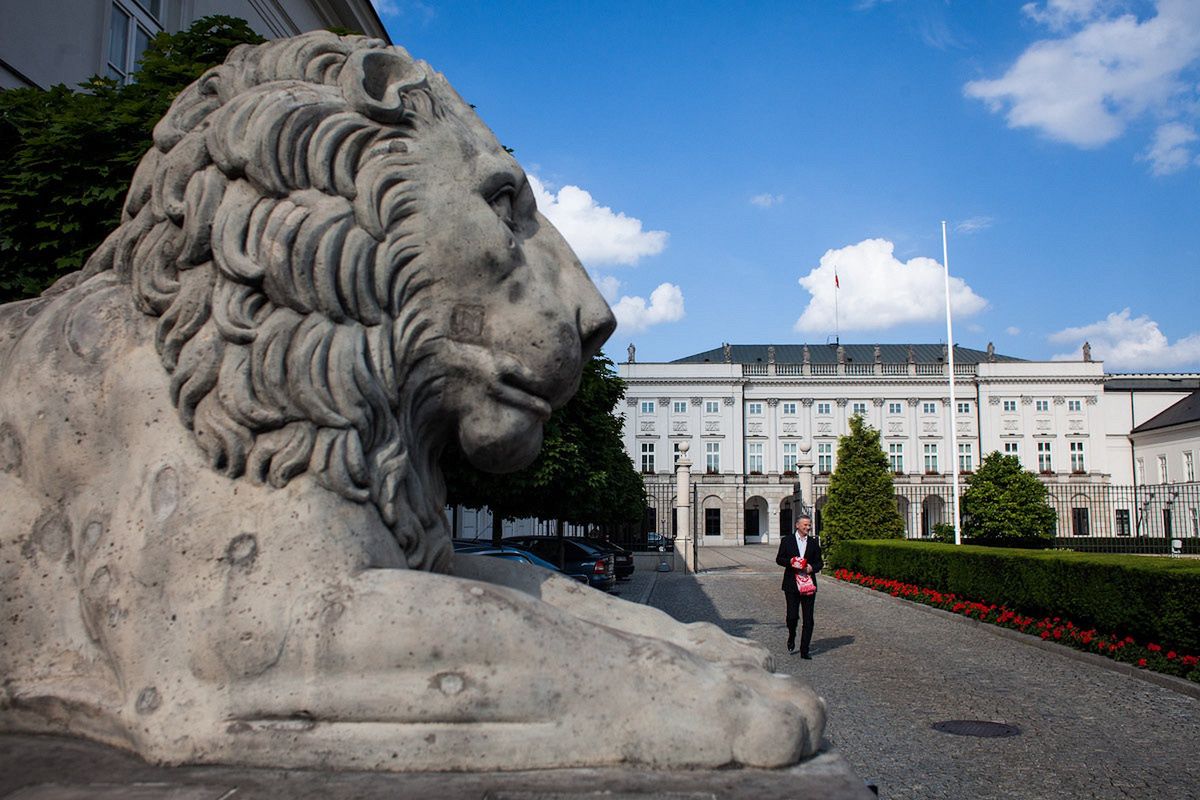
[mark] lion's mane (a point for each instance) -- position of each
(269, 230)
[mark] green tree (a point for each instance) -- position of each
(582, 474)
(67, 157)
(862, 500)
(1004, 502)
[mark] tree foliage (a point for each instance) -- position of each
(581, 475)
(1005, 502)
(862, 500)
(67, 157)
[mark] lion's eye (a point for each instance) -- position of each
(502, 203)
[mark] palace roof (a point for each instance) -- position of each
(855, 354)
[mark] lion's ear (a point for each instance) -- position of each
(374, 82)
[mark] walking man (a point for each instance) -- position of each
(799, 554)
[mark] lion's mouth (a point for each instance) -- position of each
(513, 391)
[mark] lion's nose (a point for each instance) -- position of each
(596, 324)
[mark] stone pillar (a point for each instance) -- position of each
(683, 507)
(804, 467)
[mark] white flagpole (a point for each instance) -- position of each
(837, 328)
(953, 403)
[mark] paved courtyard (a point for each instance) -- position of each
(889, 670)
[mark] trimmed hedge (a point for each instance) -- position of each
(1154, 599)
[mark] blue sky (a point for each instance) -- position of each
(712, 164)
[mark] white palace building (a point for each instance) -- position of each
(1117, 451)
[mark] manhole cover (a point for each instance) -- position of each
(976, 727)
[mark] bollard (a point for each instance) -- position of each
(663, 566)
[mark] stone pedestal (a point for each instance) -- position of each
(683, 508)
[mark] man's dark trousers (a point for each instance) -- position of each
(800, 605)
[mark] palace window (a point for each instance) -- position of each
(754, 457)
(1189, 466)
(648, 457)
(129, 32)
(712, 522)
(1074, 405)
(754, 409)
(1140, 470)
(679, 407)
(1122, 522)
(712, 457)
(931, 458)
(1010, 405)
(711, 407)
(896, 457)
(1012, 449)
(895, 408)
(678, 453)
(823, 409)
(929, 408)
(859, 409)
(647, 406)
(1077, 457)
(1044, 462)
(965, 460)
(789, 408)
(824, 457)
(789, 456)
(964, 408)
(1041, 405)
(1162, 469)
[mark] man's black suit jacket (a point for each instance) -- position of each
(788, 549)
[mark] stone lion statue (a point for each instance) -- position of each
(223, 536)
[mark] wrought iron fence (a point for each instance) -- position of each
(1088, 517)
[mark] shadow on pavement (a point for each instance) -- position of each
(831, 643)
(680, 595)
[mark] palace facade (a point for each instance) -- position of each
(752, 413)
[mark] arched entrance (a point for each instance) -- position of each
(818, 507)
(932, 514)
(757, 518)
(902, 507)
(785, 516)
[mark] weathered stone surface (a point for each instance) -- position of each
(223, 537)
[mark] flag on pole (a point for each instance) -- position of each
(836, 285)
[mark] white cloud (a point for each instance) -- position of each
(405, 8)
(1060, 14)
(608, 286)
(766, 200)
(666, 305)
(1085, 88)
(1013, 330)
(596, 233)
(1170, 151)
(974, 225)
(1130, 344)
(879, 291)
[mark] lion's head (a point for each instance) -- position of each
(348, 270)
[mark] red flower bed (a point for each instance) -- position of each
(1120, 648)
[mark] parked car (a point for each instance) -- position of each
(480, 548)
(622, 558)
(580, 560)
(655, 540)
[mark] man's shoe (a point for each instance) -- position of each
(791, 644)
(806, 656)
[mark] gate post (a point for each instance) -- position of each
(806, 501)
(683, 507)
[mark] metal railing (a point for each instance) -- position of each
(1115, 518)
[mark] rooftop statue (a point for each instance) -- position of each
(223, 536)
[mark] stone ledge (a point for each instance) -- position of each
(61, 768)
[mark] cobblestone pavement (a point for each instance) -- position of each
(888, 671)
